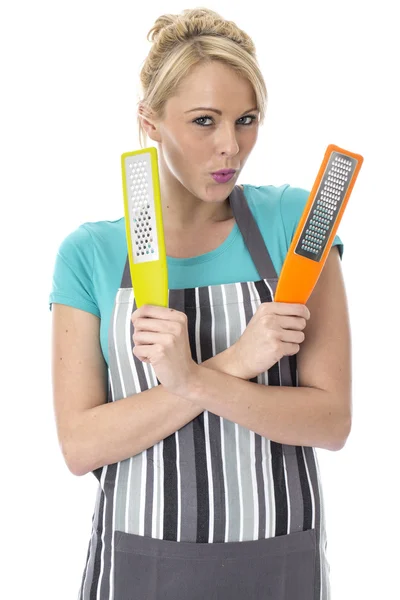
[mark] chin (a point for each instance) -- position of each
(212, 191)
(219, 192)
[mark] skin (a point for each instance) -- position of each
(189, 151)
(197, 218)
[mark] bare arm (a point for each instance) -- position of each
(319, 412)
(91, 432)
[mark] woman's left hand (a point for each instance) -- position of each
(161, 338)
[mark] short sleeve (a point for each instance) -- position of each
(73, 272)
(293, 201)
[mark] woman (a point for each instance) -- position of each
(199, 422)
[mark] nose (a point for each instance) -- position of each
(226, 140)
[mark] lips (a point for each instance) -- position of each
(224, 172)
(223, 176)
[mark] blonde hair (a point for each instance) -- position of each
(180, 42)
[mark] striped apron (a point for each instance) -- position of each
(215, 510)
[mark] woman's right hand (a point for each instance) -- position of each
(275, 330)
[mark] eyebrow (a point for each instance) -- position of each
(215, 110)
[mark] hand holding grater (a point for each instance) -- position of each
(318, 224)
(144, 227)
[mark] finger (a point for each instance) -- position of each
(160, 325)
(297, 323)
(148, 337)
(143, 353)
(286, 308)
(151, 311)
(292, 337)
(291, 349)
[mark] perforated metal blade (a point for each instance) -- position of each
(141, 208)
(325, 209)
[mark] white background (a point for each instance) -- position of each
(69, 74)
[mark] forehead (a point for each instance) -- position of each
(215, 85)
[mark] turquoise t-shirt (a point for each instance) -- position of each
(90, 260)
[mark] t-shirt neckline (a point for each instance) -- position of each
(207, 256)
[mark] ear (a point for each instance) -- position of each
(149, 124)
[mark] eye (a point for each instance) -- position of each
(251, 117)
(206, 117)
(202, 119)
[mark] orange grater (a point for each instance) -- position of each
(318, 224)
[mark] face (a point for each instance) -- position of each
(195, 142)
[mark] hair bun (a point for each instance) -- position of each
(160, 24)
(189, 23)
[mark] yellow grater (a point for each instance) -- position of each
(144, 227)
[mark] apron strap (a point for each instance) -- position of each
(263, 263)
(251, 234)
(126, 277)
